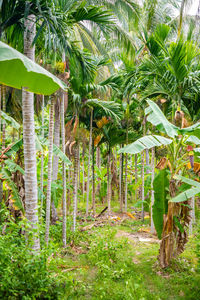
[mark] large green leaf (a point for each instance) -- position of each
(146, 142)
(156, 117)
(110, 108)
(10, 120)
(18, 204)
(188, 193)
(56, 150)
(161, 187)
(19, 71)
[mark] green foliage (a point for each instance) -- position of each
(16, 199)
(22, 274)
(161, 188)
(145, 142)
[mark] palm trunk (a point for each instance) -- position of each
(126, 166)
(93, 181)
(31, 195)
(48, 199)
(75, 192)
(64, 172)
(143, 186)
(120, 183)
(192, 214)
(54, 215)
(3, 122)
(83, 171)
(42, 161)
(122, 175)
(68, 190)
(109, 182)
(152, 190)
(1, 183)
(98, 162)
(136, 175)
(89, 154)
(3, 133)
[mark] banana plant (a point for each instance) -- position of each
(170, 212)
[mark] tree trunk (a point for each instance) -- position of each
(143, 186)
(31, 195)
(126, 166)
(54, 215)
(152, 190)
(109, 182)
(75, 192)
(98, 162)
(89, 154)
(3, 88)
(42, 161)
(63, 171)
(120, 182)
(83, 172)
(192, 214)
(3, 122)
(48, 199)
(136, 175)
(93, 181)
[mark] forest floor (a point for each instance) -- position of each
(116, 258)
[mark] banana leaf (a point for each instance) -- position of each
(188, 193)
(10, 120)
(19, 71)
(146, 142)
(156, 117)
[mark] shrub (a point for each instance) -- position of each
(22, 274)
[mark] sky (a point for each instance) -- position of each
(193, 8)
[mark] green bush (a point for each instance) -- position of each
(22, 274)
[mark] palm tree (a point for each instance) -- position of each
(152, 190)
(89, 155)
(50, 157)
(42, 159)
(31, 197)
(63, 171)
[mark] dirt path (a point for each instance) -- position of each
(138, 237)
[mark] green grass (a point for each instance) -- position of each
(100, 266)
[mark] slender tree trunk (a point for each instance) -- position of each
(122, 180)
(89, 154)
(54, 215)
(136, 175)
(109, 182)
(152, 190)
(126, 166)
(83, 171)
(143, 186)
(3, 122)
(93, 181)
(68, 190)
(75, 192)
(42, 160)
(98, 162)
(63, 171)
(120, 183)
(2, 88)
(1, 183)
(48, 199)
(192, 215)
(31, 195)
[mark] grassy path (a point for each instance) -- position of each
(118, 262)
